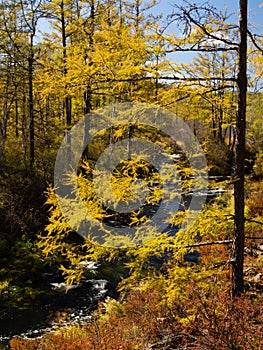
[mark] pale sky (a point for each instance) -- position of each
(255, 17)
(254, 9)
(166, 7)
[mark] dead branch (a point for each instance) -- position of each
(254, 221)
(252, 37)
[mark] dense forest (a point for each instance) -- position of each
(90, 81)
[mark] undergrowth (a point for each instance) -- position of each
(181, 305)
(146, 321)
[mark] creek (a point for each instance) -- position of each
(72, 307)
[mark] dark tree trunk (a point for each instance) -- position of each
(8, 101)
(88, 92)
(120, 12)
(238, 248)
(157, 80)
(16, 117)
(31, 103)
(213, 121)
(220, 123)
(229, 136)
(137, 14)
(87, 99)
(67, 100)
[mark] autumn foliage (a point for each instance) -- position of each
(146, 321)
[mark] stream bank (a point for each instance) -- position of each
(73, 307)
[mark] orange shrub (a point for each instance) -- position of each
(254, 200)
(210, 320)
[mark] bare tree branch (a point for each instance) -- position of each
(202, 244)
(252, 37)
(198, 15)
(254, 221)
(227, 241)
(177, 48)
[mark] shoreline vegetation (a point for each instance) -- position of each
(180, 305)
(149, 289)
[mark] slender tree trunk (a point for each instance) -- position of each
(213, 121)
(120, 12)
(31, 103)
(229, 136)
(137, 14)
(3, 139)
(88, 92)
(238, 247)
(220, 123)
(16, 117)
(67, 100)
(157, 80)
(24, 111)
(6, 111)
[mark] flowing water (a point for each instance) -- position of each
(72, 307)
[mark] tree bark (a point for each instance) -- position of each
(6, 110)
(238, 246)
(31, 100)
(67, 100)
(88, 92)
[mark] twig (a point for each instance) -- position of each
(254, 221)
(227, 241)
(254, 237)
(252, 37)
(209, 243)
